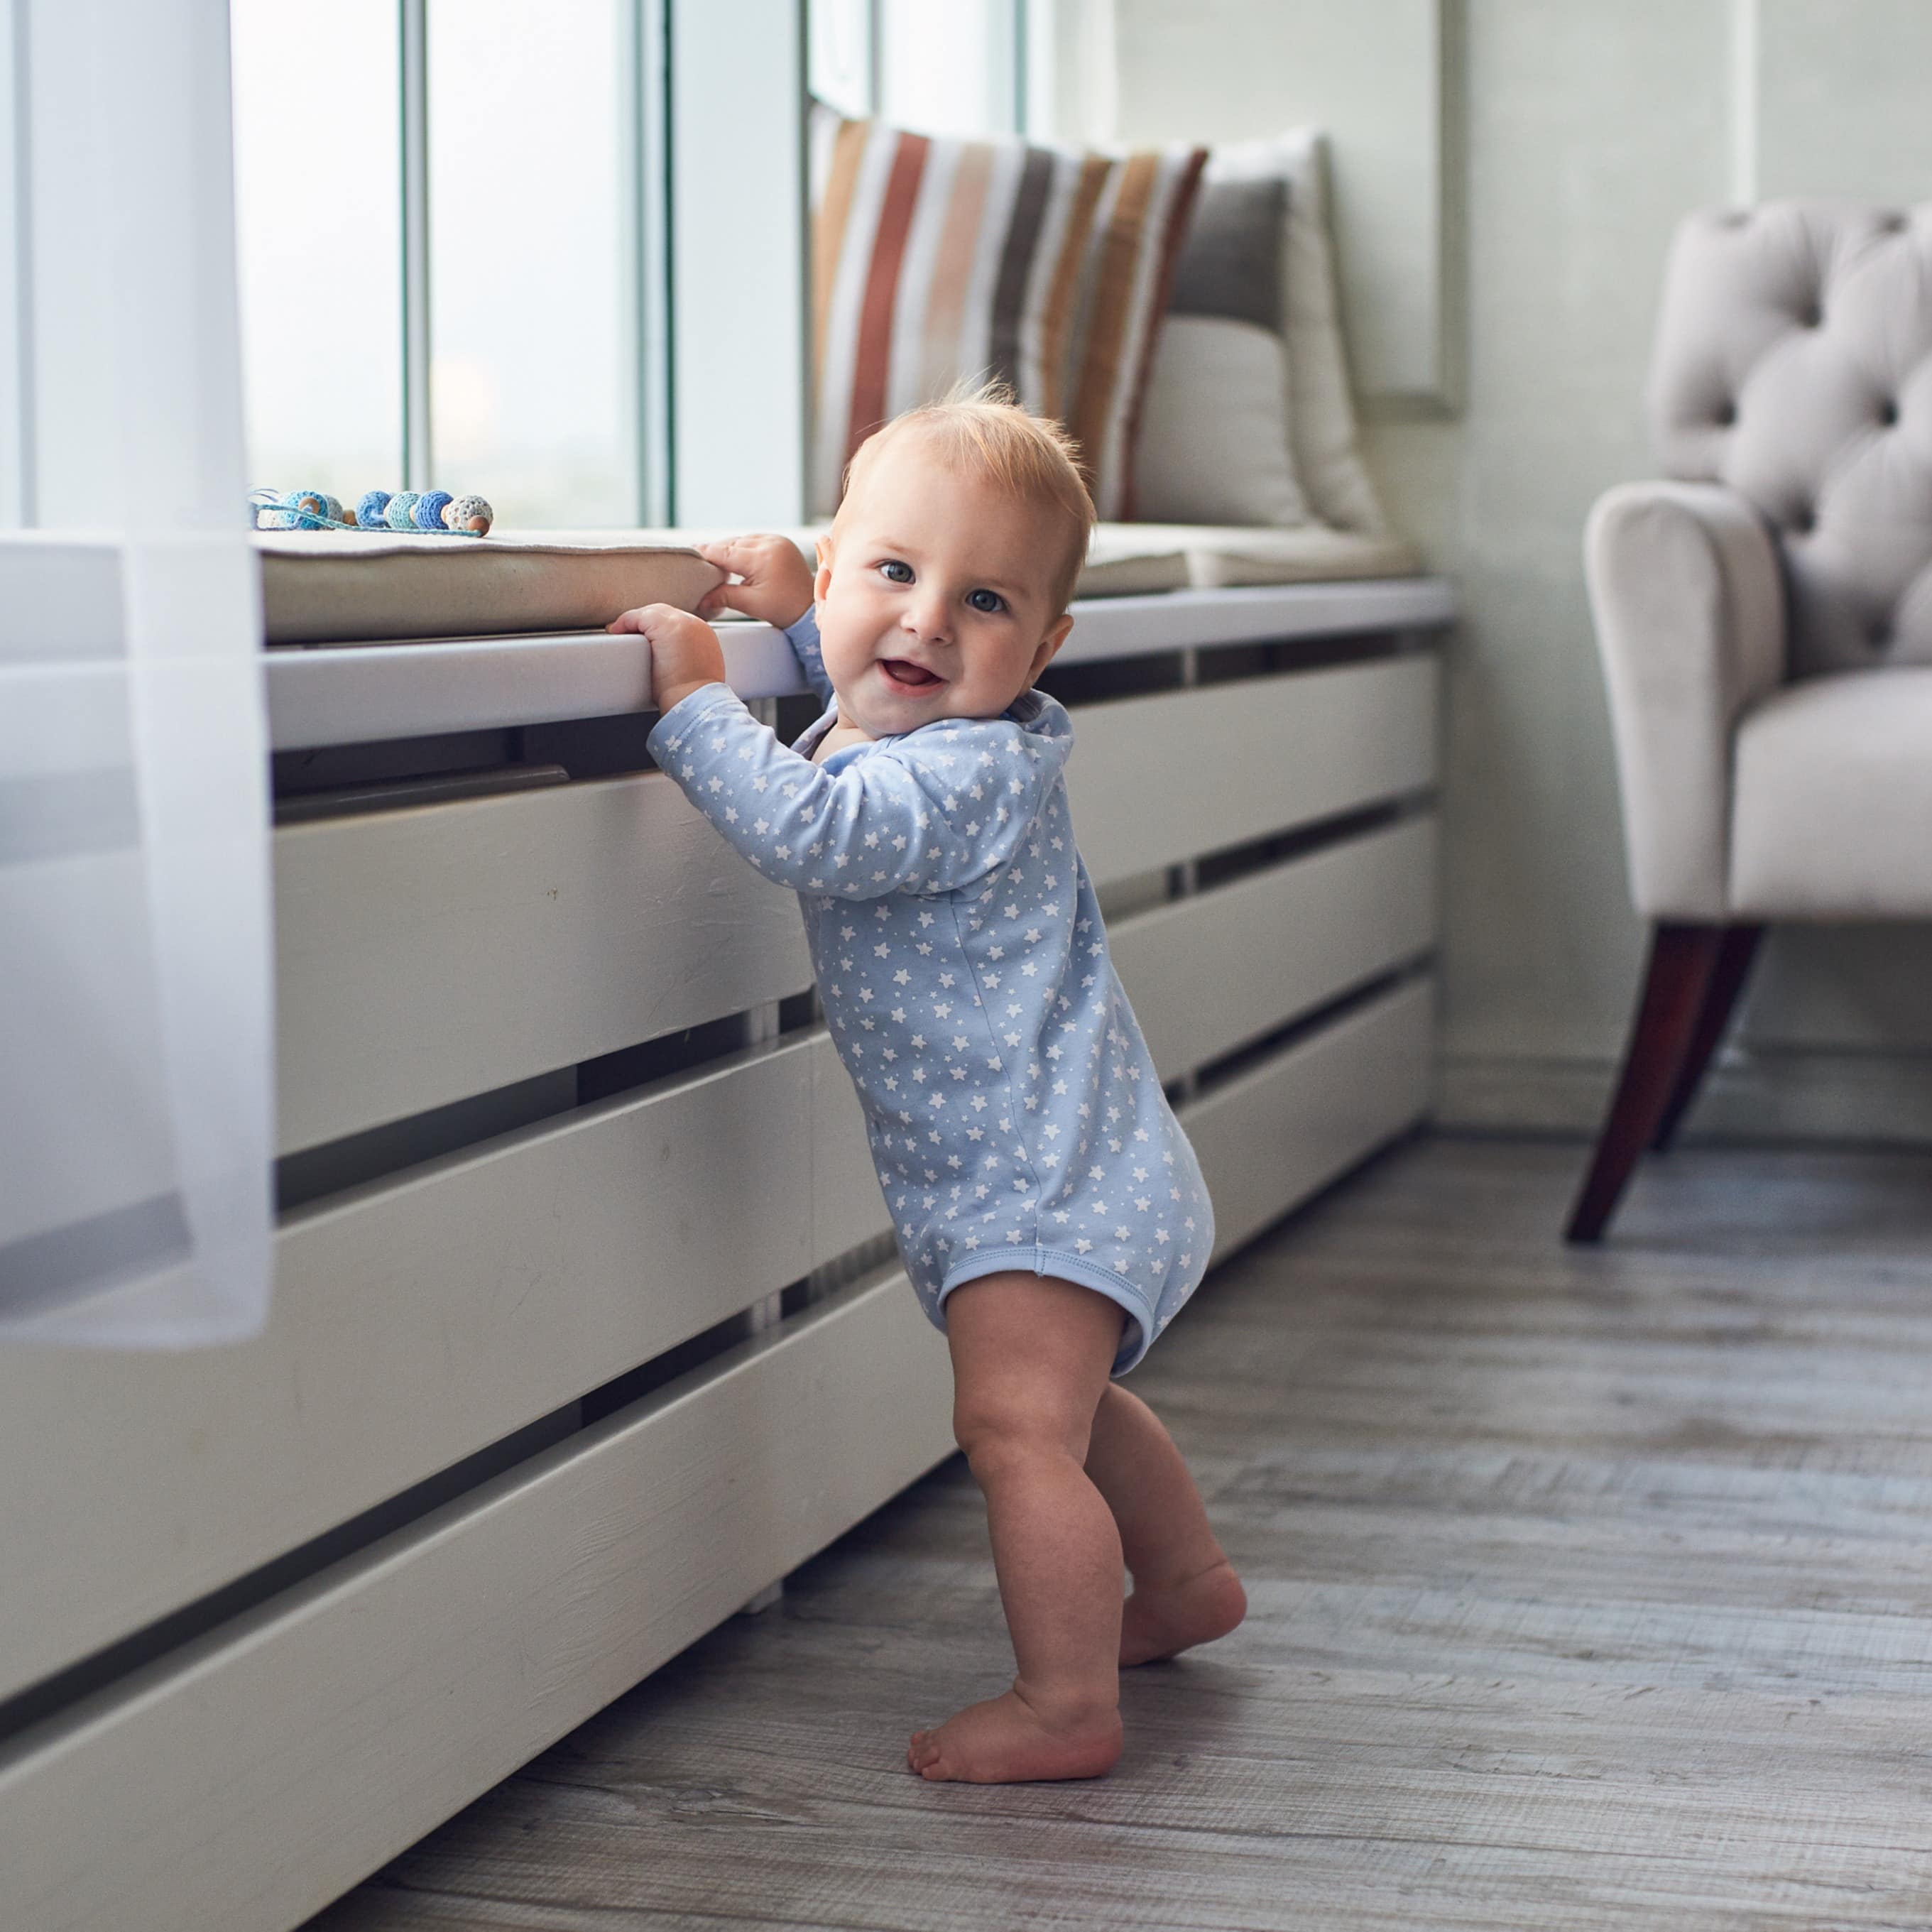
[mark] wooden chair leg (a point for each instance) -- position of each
(1727, 980)
(1682, 960)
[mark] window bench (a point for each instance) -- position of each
(587, 1326)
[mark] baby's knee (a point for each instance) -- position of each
(1001, 1427)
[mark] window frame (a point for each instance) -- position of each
(717, 404)
(1020, 47)
(739, 318)
(16, 412)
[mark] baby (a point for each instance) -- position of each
(1048, 1206)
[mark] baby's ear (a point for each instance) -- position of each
(822, 581)
(1050, 643)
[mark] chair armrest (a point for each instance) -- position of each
(1689, 604)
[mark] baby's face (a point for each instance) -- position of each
(933, 596)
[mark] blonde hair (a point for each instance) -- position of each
(982, 428)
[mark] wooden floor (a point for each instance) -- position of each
(1587, 1590)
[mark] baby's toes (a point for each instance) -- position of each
(921, 1751)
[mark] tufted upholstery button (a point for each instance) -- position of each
(1822, 312)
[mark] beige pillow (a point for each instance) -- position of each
(1321, 422)
(1215, 428)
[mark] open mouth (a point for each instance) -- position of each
(908, 676)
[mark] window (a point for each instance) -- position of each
(532, 355)
(445, 246)
(957, 69)
(555, 254)
(319, 242)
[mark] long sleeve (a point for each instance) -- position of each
(803, 638)
(927, 813)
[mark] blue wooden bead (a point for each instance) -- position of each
(400, 514)
(333, 506)
(430, 507)
(369, 511)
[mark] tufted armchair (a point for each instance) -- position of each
(1765, 620)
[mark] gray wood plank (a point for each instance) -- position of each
(368, 691)
(1156, 780)
(446, 1654)
(422, 955)
(414, 1321)
(1274, 1134)
(1588, 1591)
(1208, 972)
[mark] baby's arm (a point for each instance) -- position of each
(896, 820)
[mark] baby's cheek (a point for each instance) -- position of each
(846, 653)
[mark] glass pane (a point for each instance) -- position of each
(840, 58)
(533, 259)
(947, 70)
(318, 197)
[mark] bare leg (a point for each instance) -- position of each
(1186, 1590)
(1030, 1356)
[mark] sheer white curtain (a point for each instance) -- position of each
(136, 1038)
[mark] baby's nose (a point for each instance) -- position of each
(927, 619)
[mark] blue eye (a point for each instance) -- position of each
(993, 602)
(892, 564)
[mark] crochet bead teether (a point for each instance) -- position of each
(431, 512)
(471, 515)
(308, 508)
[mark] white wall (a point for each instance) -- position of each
(1589, 129)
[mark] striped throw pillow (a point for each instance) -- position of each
(934, 259)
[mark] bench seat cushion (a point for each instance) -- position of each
(321, 587)
(1218, 557)
(330, 586)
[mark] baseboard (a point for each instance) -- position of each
(1749, 1095)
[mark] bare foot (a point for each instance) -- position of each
(1158, 1623)
(1004, 1740)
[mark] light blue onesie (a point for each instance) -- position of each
(1014, 1113)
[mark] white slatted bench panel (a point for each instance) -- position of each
(412, 1323)
(1158, 779)
(1271, 1137)
(259, 1773)
(429, 954)
(1207, 972)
